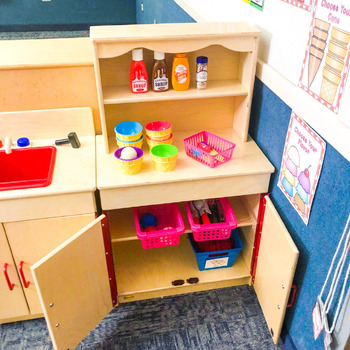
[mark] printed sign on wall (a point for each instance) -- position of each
(303, 4)
(301, 166)
(259, 4)
(326, 61)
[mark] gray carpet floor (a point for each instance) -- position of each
(43, 35)
(222, 319)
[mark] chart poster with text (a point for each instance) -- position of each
(326, 62)
(305, 5)
(259, 4)
(301, 166)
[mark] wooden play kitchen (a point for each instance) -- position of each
(82, 278)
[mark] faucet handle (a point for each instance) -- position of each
(72, 139)
(8, 145)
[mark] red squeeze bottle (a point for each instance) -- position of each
(138, 73)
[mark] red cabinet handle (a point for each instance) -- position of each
(294, 287)
(25, 282)
(10, 285)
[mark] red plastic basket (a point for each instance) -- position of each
(220, 145)
(168, 215)
(221, 230)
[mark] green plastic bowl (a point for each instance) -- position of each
(164, 151)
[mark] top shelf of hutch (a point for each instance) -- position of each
(237, 36)
(232, 52)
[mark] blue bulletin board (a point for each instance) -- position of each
(316, 242)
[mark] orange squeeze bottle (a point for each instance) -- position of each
(180, 72)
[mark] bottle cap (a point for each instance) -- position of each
(202, 59)
(23, 142)
(180, 55)
(137, 55)
(159, 55)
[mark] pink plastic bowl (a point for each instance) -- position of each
(158, 126)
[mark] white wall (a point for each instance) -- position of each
(284, 36)
(284, 29)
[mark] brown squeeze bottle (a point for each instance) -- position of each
(160, 79)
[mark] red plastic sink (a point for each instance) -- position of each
(27, 168)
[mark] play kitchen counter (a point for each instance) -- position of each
(103, 263)
(247, 172)
(73, 182)
(35, 221)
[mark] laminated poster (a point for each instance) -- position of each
(303, 4)
(301, 166)
(259, 4)
(326, 62)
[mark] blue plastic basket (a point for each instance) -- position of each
(220, 258)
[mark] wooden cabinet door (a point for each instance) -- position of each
(12, 302)
(276, 264)
(32, 240)
(73, 286)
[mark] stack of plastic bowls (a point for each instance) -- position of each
(130, 166)
(164, 157)
(158, 133)
(129, 133)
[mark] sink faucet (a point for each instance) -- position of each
(8, 145)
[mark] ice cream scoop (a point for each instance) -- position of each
(128, 153)
(304, 180)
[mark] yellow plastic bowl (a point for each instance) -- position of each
(137, 143)
(132, 166)
(164, 167)
(130, 169)
(152, 143)
(160, 138)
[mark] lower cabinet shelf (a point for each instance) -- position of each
(149, 273)
(122, 224)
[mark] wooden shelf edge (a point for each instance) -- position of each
(121, 94)
(185, 288)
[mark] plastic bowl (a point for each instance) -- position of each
(137, 143)
(164, 151)
(151, 143)
(128, 131)
(129, 166)
(164, 157)
(158, 130)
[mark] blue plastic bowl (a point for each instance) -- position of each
(128, 128)
(141, 138)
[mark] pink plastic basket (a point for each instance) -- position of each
(221, 230)
(168, 215)
(220, 145)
